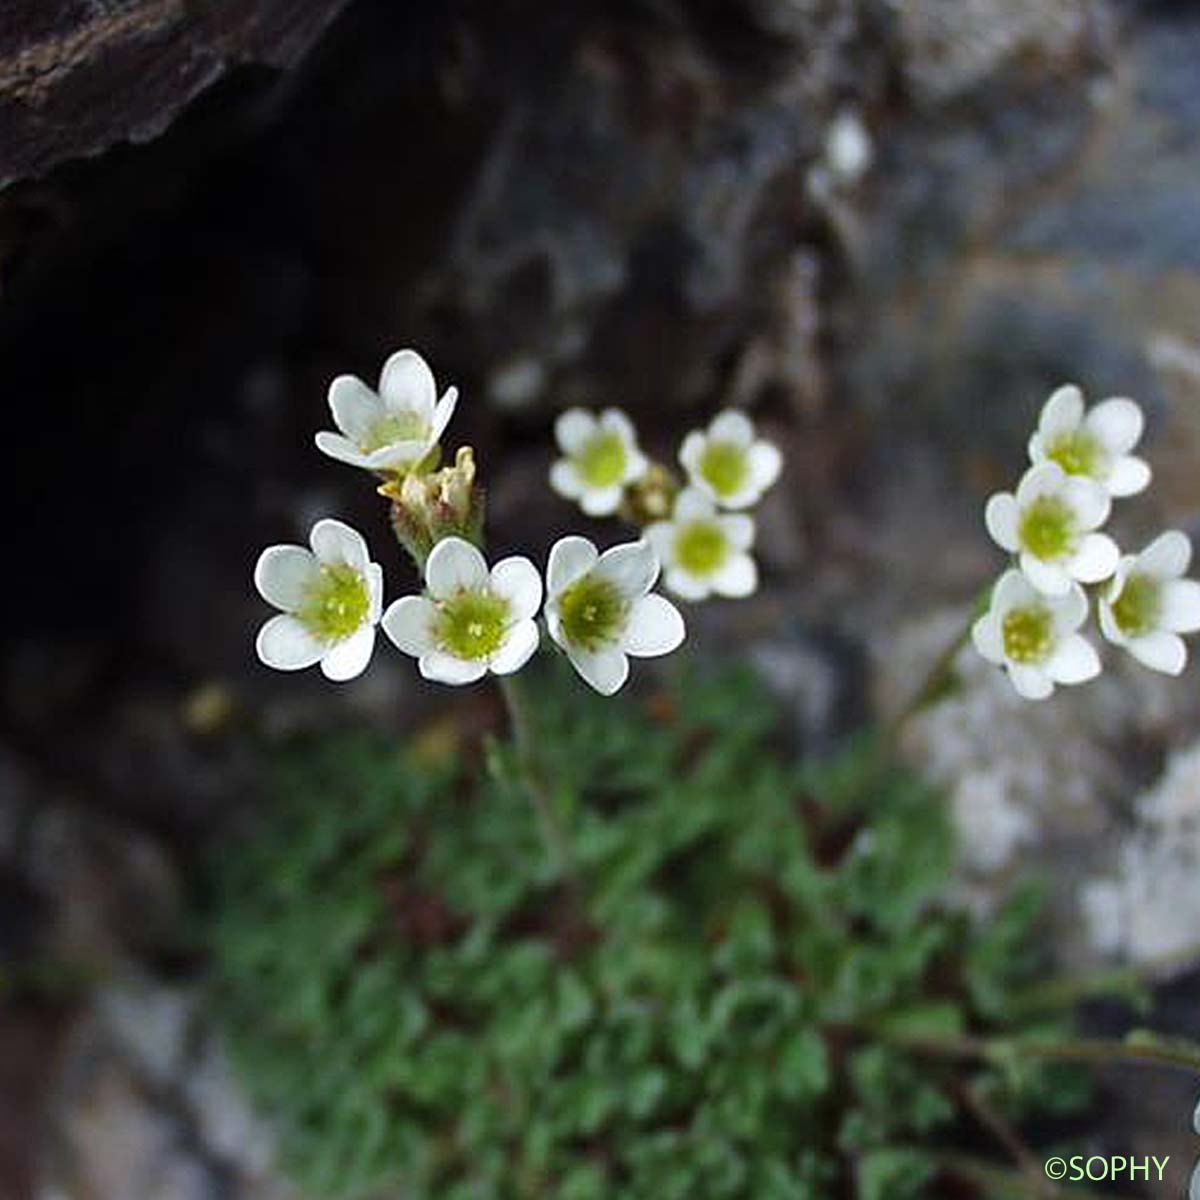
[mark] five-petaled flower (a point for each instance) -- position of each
(1094, 444)
(471, 620)
(601, 458)
(331, 598)
(391, 430)
(1050, 524)
(600, 609)
(703, 551)
(1148, 604)
(1035, 636)
(727, 463)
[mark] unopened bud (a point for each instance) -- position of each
(427, 507)
(651, 497)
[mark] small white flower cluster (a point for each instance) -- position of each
(470, 620)
(1081, 460)
(703, 536)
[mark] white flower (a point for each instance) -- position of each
(1050, 524)
(470, 621)
(601, 458)
(600, 610)
(1095, 445)
(703, 551)
(330, 596)
(394, 429)
(1034, 636)
(1148, 604)
(727, 464)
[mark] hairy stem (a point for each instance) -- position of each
(533, 774)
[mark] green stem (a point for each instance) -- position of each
(934, 681)
(524, 731)
(1099, 1050)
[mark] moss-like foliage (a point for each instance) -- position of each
(725, 1006)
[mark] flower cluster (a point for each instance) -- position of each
(700, 531)
(470, 620)
(1081, 460)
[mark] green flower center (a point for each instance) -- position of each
(1047, 528)
(391, 428)
(1137, 608)
(724, 467)
(1078, 453)
(592, 612)
(1028, 633)
(701, 547)
(601, 460)
(472, 624)
(336, 604)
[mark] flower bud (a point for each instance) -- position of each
(650, 498)
(430, 506)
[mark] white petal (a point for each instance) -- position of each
(441, 667)
(1180, 606)
(636, 465)
(766, 462)
(340, 448)
(397, 455)
(732, 426)
(1030, 682)
(1062, 412)
(692, 504)
(283, 575)
(1037, 448)
(1046, 479)
(406, 385)
(615, 421)
(442, 414)
(691, 451)
(655, 627)
(1001, 517)
(517, 580)
(573, 428)
(601, 502)
(349, 657)
(686, 586)
(605, 669)
(1011, 590)
(564, 479)
(285, 644)
(1073, 660)
(1118, 423)
(335, 543)
(409, 623)
(988, 638)
(354, 406)
(1089, 499)
(1096, 559)
(570, 558)
(1108, 623)
(1048, 578)
(661, 535)
(1071, 611)
(1128, 476)
(1160, 651)
(374, 592)
(1167, 557)
(518, 648)
(632, 568)
(738, 577)
(454, 564)
(739, 530)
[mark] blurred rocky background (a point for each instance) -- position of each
(888, 227)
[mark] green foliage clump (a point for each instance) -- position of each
(738, 998)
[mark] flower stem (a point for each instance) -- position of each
(1150, 1053)
(524, 731)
